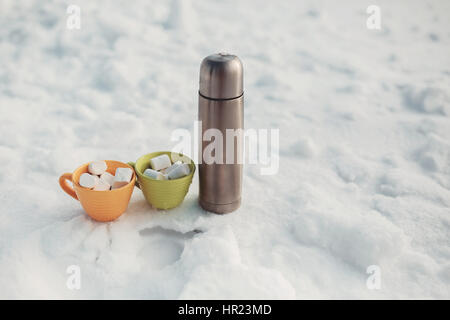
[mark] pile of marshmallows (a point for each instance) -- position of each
(163, 169)
(99, 179)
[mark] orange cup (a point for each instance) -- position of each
(99, 205)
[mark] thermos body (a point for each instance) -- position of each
(221, 184)
(221, 107)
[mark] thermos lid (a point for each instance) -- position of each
(221, 76)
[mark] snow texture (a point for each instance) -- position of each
(364, 123)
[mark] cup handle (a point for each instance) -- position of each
(69, 190)
(133, 165)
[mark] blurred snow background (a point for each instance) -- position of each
(364, 118)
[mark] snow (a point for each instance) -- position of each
(364, 174)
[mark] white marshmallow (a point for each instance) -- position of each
(160, 162)
(102, 185)
(107, 177)
(176, 164)
(88, 181)
(154, 174)
(179, 172)
(97, 167)
(122, 178)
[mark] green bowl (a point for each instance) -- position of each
(163, 194)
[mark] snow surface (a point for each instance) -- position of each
(364, 125)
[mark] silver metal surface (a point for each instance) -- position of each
(221, 77)
(221, 184)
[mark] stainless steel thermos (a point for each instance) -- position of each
(221, 107)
